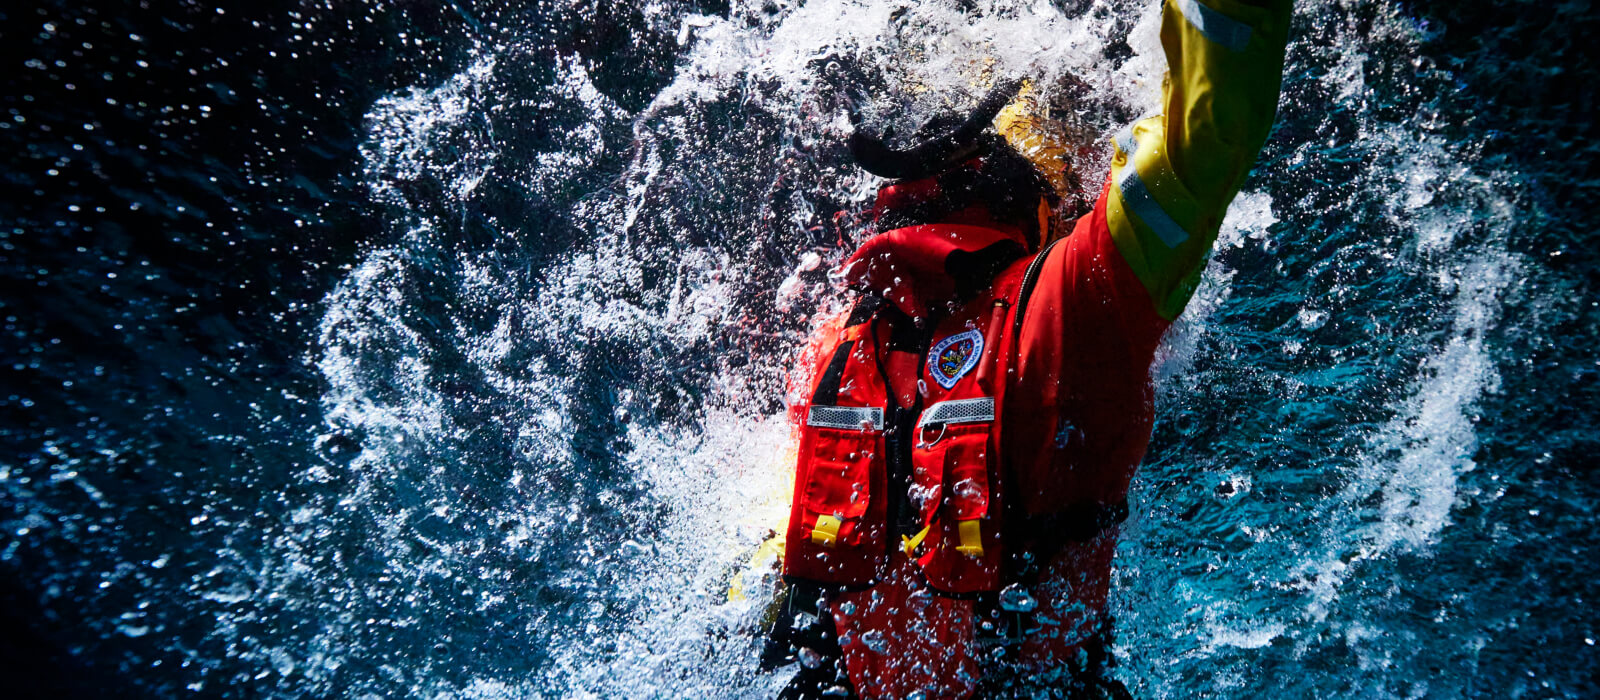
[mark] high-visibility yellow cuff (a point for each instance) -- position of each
(971, 538)
(826, 531)
(909, 544)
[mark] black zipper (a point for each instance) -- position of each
(1030, 277)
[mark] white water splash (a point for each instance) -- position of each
(685, 639)
(407, 133)
(1397, 499)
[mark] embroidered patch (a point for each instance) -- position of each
(955, 356)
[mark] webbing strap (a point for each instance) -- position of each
(864, 309)
(910, 544)
(828, 388)
(971, 533)
(826, 531)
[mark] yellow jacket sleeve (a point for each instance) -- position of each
(1173, 174)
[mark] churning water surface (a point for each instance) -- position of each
(370, 349)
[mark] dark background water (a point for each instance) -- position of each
(222, 269)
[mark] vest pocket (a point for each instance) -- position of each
(952, 472)
(966, 467)
(951, 463)
(838, 469)
(951, 459)
(837, 521)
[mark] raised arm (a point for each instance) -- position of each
(1174, 174)
(1081, 405)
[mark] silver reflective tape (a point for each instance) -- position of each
(1125, 142)
(1219, 28)
(959, 411)
(845, 417)
(1138, 198)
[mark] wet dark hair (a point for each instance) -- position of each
(1000, 180)
(973, 167)
(942, 143)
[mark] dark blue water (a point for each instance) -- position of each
(416, 349)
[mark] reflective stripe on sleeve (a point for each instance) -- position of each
(1124, 140)
(1219, 28)
(1137, 196)
(1149, 211)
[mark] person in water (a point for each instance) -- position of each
(975, 420)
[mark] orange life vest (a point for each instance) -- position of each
(915, 469)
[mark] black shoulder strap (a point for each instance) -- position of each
(828, 389)
(866, 306)
(827, 393)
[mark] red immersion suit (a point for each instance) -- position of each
(975, 424)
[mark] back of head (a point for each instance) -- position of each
(959, 171)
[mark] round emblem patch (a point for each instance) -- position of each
(955, 356)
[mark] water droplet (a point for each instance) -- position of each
(1016, 599)
(874, 640)
(809, 657)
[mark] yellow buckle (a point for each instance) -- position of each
(971, 538)
(826, 531)
(909, 544)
